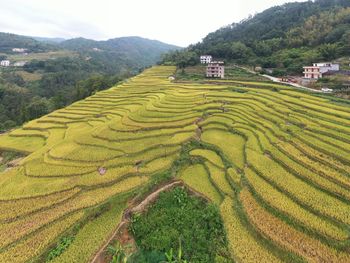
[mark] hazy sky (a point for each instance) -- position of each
(179, 22)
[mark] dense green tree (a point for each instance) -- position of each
(13, 100)
(239, 50)
(13, 78)
(37, 108)
(329, 51)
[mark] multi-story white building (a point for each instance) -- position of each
(317, 70)
(5, 63)
(206, 59)
(216, 69)
(312, 72)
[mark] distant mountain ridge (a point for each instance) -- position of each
(50, 39)
(134, 52)
(85, 43)
(8, 41)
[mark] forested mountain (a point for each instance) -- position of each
(121, 44)
(286, 36)
(9, 41)
(50, 39)
(115, 54)
(58, 73)
(126, 52)
(284, 21)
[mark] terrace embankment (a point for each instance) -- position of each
(253, 144)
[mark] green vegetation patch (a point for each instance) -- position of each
(176, 216)
(6, 157)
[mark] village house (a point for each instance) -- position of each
(19, 50)
(5, 63)
(19, 63)
(215, 69)
(327, 90)
(205, 59)
(317, 70)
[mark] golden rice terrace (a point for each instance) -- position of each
(275, 160)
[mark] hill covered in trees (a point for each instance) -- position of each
(118, 53)
(9, 41)
(58, 73)
(285, 37)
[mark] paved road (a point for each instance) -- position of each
(282, 82)
(292, 84)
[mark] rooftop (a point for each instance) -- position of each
(216, 62)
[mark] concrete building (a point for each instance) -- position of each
(19, 63)
(324, 67)
(216, 69)
(5, 63)
(312, 72)
(317, 70)
(19, 50)
(327, 90)
(206, 59)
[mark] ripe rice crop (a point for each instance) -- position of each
(27, 225)
(34, 245)
(242, 244)
(232, 145)
(90, 238)
(197, 177)
(301, 191)
(286, 205)
(286, 236)
(211, 156)
(234, 175)
(273, 159)
(219, 178)
(15, 208)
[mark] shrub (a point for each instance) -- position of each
(178, 215)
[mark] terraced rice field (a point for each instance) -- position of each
(275, 160)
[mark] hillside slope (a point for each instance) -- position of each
(276, 162)
(132, 52)
(285, 37)
(9, 41)
(59, 73)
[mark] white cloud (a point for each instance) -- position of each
(180, 22)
